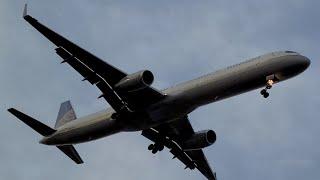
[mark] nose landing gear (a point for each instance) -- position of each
(270, 81)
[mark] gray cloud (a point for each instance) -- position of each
(257, 138)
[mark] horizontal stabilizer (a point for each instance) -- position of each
(71, 152)
(36, 125)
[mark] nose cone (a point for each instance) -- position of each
(300, 64)
(304, 63)
(294, 65)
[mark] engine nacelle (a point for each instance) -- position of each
(135, 81)
(200, 140)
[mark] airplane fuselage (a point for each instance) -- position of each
(182, 99)
(160, 115)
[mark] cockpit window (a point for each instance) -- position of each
(291, 52)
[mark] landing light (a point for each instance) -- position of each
(270, 82)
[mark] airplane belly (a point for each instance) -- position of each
(212, 90)
(237, 79)
(169, 110)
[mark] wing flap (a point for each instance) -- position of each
(77, 65)
(108, 93)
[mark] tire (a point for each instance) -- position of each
(263, 91)
(154, 151)
(150, 147)
(161, 147)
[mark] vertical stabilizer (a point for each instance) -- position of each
(25, 13)
(66, 114)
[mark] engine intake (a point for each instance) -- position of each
(200, 140)
(135, 81)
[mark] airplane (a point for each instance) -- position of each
(161, 115)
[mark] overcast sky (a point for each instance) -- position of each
(274, 138)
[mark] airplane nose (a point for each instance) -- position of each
(301, 64)
(295, 65)
(305, 62)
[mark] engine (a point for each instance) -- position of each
(200, 140)
(135, 81)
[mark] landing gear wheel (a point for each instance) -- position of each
(154, 151)
(161, 147)
(270, 81)
(263, 91)
(151, 147)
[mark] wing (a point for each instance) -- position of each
(96, 71)
(173, 134)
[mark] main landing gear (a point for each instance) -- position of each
(154, 148)
(270, 81)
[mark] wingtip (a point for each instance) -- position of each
(25, 10)
(215, 176)
(11, 110)
(80, 162)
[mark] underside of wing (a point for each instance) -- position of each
(172, 135)
(97, 71)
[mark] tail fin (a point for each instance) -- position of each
(45, 130)
(66, 114)
(25, 12)
(36, 125)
